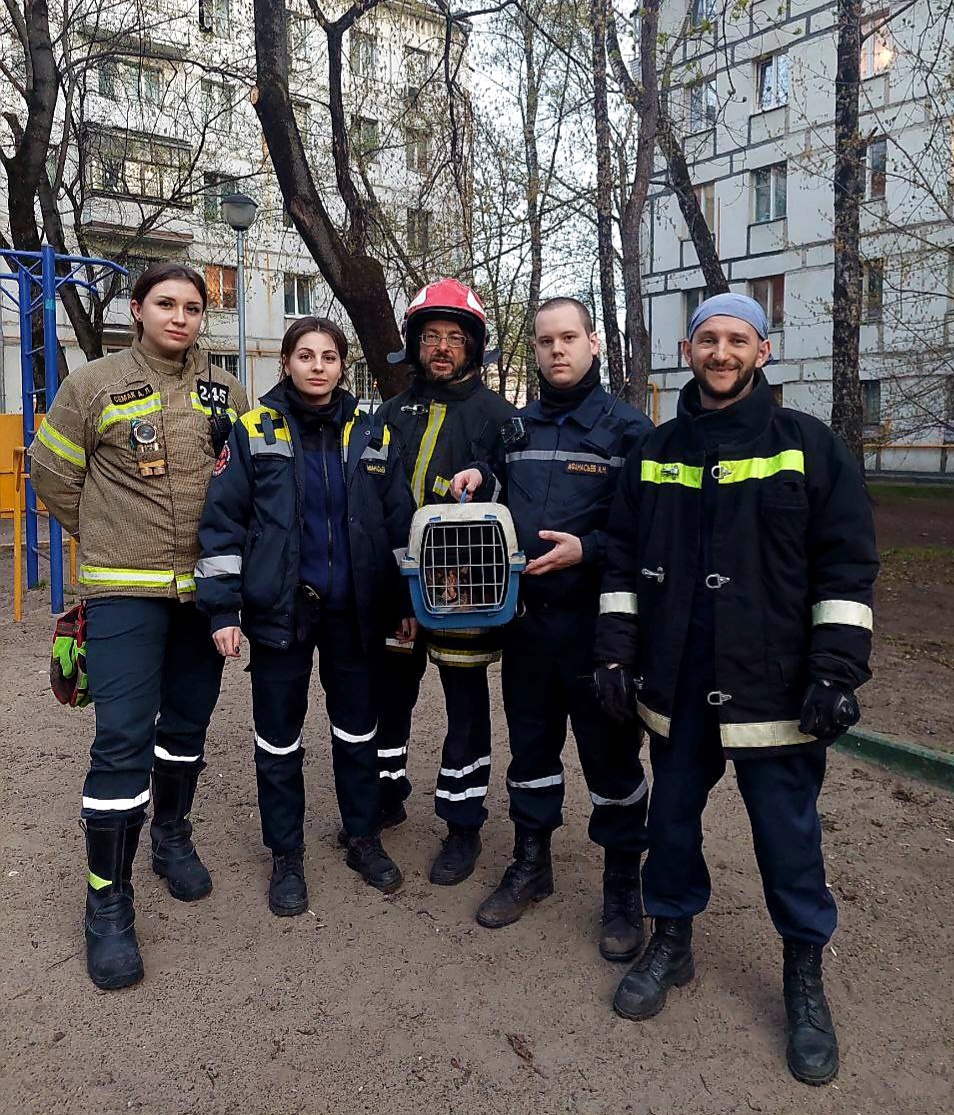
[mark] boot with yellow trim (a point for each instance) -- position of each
(174, 857)
(113, 959)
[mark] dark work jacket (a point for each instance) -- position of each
(251, 533)
(564, 478)
(440, 428)
(790, 567)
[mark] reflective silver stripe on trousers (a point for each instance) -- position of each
(392, 752)
(483, 761)
(349, 738)
(640, 792)
(475, 792)
(272, 750)
(162, 753)
(842, 611)
(537, 783)
(654, 721)
(219, 566)
(395, 774)
(621, 602)
(561, 455)
(117, 804)
(764, 733)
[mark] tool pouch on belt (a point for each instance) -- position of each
(68, 678)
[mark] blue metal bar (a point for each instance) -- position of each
(52, 379)
(26, 381)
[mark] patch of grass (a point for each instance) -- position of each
(918, 565)
(900, 493)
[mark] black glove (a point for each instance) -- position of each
(828, 709)
(616, 691)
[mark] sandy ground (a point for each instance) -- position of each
(369, 1004)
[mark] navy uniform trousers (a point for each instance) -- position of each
(780, 793)
(280, 682)
(154, 675)
(547, 678)
(464, 775)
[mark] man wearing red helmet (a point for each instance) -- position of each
(446, 419)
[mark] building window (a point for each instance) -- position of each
(136, 166)
(703, 106)
(872, 289)
(418, 228)
(220, 282)
(871, 404)
(214, 16)
(362, 382)
(693, 299)
(119, 80)
(135, 265)
(297, 295)
(227, 361)
(365, 137)
(214, 188)
(876, 169)
(218, 104)
(770, 295)
(877, 48)
(417, 69)
(417, 147)
(772, 81)
(363, 53)
(298, 33)
(949, 408)
(703, 11)
(770, 185)
(705, 195)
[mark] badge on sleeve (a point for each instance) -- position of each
(222, 461)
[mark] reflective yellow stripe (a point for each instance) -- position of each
(346, 432)
(97, 882)
(671, 472)
(463, 657)
(654, 721)
(185, 583)
(848, 612)
(197, 404)
(441, 486)
(252, 419)
(60, 445)
(435, 420)
(621, 602)
(759, 468)
(763, 733)
(123, 412)
(104, 575)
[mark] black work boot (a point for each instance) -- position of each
(528, 879)
(667, 962)
(457, 858)
(812, 1045)
(373, 864)
(113, 959)
(173, 854)
(621, 935)
(287, 890)
(386, 819)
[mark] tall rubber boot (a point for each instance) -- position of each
(812, 1045)
(113, 959)
(667, 962)
(621, 935)
(174, 857)
(528, 879)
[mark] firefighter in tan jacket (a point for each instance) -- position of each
(123, 460)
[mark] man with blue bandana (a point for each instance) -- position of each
(736, 618)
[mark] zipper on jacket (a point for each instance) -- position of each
(331, 541)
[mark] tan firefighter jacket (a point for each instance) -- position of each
(137, 524)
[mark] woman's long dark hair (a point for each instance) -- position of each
(159, 273)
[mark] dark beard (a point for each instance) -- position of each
(743, 379)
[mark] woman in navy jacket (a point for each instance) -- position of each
(305, 523)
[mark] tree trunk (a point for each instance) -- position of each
(847, 417)
(604, 197)
(534, 200)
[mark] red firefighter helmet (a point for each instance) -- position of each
(444, 298)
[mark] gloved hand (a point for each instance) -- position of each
(616, 691)
(828, 709)
(68, 678)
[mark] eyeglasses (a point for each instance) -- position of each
(452, 340)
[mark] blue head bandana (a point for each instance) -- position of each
(730, 305)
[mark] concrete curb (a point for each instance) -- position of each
(911, 759)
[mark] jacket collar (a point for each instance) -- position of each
(278, 399)
(732, 425)
(443, 392)
(587, 414)
(195, 362)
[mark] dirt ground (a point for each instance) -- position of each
(385, 1005)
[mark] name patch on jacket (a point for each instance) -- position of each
(372, 466)
(132, 395)
(209, 393)
(588, 468)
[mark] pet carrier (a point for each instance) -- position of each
(463, 564)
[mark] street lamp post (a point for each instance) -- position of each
(238, 211)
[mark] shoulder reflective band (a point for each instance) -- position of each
(221, 566)
(197, 404)
(622, 602)
(122, 412)
(252, 421)
(760, 468)
(435, 420)
(60, 445)
(654, 721)
(764, 733)
(842, 611)
(125, 578)
(671, 472)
